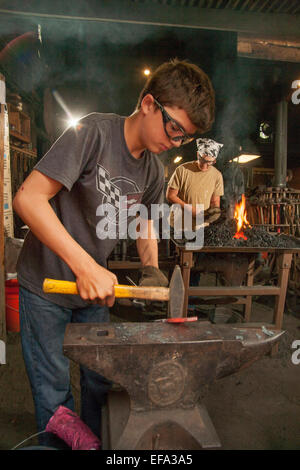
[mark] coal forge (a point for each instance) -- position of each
(221, 234)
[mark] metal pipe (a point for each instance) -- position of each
(281, 144)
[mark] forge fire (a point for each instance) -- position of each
(240, 216)
(238, 232)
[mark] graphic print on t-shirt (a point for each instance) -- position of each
(119, 191)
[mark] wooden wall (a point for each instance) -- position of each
(2, 275)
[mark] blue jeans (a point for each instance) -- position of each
(42, 327)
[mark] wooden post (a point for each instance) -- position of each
(284, 264)
(248, 302)
(2, 274)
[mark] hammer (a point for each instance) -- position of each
(174, 294)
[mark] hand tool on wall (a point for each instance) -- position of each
(297, 220)
(262, 220)
(293, 219)
(272, 211)
(174, 294)
(258, 214)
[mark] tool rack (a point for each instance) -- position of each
(276, 210)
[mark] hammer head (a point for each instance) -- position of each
(176, 294)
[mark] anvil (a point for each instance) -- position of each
(166, 370)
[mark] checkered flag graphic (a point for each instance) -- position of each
(107, 188)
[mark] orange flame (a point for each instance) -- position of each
(240, 215)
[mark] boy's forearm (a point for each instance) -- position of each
(215, 201)
(147, 246)
(172, 199)
(148, 252)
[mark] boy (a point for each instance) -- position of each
(106, 156)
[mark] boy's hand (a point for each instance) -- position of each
(97, 285)
(152, 276)
(212, 214)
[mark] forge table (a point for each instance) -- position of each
(246, 292)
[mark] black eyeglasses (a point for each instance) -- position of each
(172, 128)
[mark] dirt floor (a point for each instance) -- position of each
(257, 408)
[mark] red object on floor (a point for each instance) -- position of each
(74, 432)
(12, 305)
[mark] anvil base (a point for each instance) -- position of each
(177, 429)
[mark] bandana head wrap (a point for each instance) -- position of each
(208, 147)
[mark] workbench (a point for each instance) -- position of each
(243, 292)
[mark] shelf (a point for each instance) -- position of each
(272, 225)
(30, 153)
(269, 204)
(19, 136)
(19, 124)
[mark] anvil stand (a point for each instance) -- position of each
(165, 370)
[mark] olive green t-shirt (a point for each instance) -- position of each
(195, 186)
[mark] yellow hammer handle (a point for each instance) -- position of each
(53, 286)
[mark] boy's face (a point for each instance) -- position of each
(158, 129)
(205, 161)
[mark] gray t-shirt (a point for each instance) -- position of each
(95, 167)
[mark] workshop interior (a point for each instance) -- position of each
(212, 360)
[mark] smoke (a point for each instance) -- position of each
(241, 91)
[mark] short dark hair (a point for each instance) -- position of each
(185, 85)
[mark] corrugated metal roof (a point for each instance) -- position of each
(256, 6)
